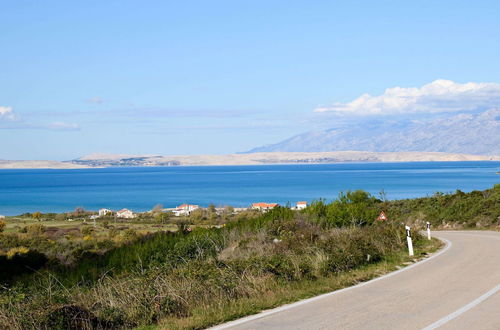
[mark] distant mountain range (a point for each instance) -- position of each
(463, 133)
(461, 137)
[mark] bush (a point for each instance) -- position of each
(86, 231)
(130, 234)
(18, 261)
(356, 208)
(175, 275)
(477, 209)
(35, 229)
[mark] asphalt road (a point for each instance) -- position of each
(458, 288)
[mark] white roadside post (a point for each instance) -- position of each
(408, 238)
(429, 230)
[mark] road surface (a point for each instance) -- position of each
(458, 288)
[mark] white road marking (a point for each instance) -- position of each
(306, 301)
(462, 310)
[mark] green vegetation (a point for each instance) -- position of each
(67, 240)
(62, 243)
(214, 267)
(474, 210)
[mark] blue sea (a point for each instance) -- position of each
(140, 188)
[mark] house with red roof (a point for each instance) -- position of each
(301, 205)
(125, 214)
(263, 206)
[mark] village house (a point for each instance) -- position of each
(125, 214)
(263, 206)
(300, 205)
(184, 209)
(104, 212)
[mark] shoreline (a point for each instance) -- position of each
(268, 158)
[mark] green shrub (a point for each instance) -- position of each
(35, 229)
(174, 275)
(87, 230)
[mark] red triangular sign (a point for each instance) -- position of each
(382, 216)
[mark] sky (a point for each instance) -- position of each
(214, 77)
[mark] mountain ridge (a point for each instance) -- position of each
(467, 133)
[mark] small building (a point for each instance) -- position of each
(104, 212)
(184, 209)
(125, 214)
(2, 216)
(301, 205)
(263, 206)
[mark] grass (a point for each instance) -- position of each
(14, 224)
(280, 295)
(27, 244)
(193, 280)
(212, 275)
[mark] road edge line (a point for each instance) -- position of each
(329, 294)
(463, 309)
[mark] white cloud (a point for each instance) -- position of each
(436, 97)
(10, 120)
(7, 113)
(95, 100)
(62, 126)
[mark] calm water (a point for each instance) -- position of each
(140, 188)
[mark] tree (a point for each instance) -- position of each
(36, 215)
(61, 217)
(163, 217)
(211, 208)
(79, 211)
(2, 225)
(157, 208)
(197, 215)
(228, 212)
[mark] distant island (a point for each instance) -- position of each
(258, 158)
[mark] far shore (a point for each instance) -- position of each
(262, 158)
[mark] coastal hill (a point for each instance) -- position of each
(264, 158)
(26, 164)
(261, 158)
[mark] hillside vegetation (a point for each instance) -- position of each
(195, 278)
(473, 210)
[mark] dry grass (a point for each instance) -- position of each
(209, 276)
(274, 294)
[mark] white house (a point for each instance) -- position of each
(300, 205)
(125, 213)
(103, 212)
(184, 209)
(264, 206)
